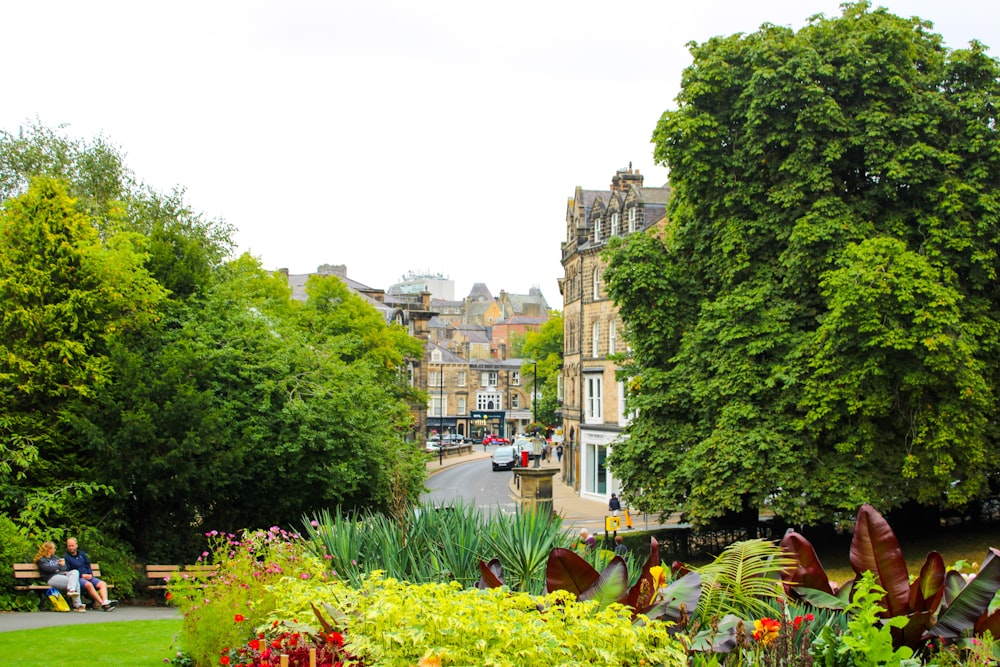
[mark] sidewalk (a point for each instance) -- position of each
(32, 620)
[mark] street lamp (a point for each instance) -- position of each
(441, 414)
(534, 394)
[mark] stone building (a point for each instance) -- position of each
(591, 398)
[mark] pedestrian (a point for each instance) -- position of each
(620, 548)
(587, 540)
(559, 451)
(614, 505)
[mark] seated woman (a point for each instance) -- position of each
(54, 569)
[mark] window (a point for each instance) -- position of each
(515, 378)
(631, 219)
(515, 401)
(461, 378)
(410, 374)
(597, 230)
(436, 405)
(597, 284)
(435, 379)
(594, 399)
(614, 224)
(595, 339)
(612, 332)
(489, 378)
(461, 405)
(559, 387)
(489, 401)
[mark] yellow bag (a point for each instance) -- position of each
(56, 599)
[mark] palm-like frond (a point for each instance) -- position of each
(743, 580)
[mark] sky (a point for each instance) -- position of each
(391, 136)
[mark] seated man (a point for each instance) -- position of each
(97, 589)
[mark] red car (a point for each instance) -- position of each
(494, 439)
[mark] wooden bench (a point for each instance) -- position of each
(28, 578)
(158, 575)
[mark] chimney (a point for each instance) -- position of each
(623, 178)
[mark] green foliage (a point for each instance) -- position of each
(389, 622)
(545, 346)
(15, 547)
(816, 326)
(868, 642)
(744, 580)
(432, 545)
(223, 610)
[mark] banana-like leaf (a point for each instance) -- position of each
(490, 574)
(720, 640)
(927, 589)
(989, 622)
(876, 549)
(954, 582)
(819, 599)
(567, 571)
(681, 595)
(611, 586)
(808, 572)
(972, 603)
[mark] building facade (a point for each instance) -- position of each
(592, 400)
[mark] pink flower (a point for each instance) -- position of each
(304, 575)
(315, 523)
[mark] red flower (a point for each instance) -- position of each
(239, 618)
(169, 595)
(224, 660)
(335, 638)
(255, 644)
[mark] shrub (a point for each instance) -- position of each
(15, 547)
(390, 622)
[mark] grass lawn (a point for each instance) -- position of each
(954, 545)
(132, 643)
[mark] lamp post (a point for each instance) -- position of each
(441, 414)
(534, 394)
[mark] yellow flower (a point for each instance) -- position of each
(765, 630)
(429, 661)
(659, 577)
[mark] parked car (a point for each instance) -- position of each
(494, 439)
(452, 439)
(504, 458)
(525, 444)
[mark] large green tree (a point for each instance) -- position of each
(545, 346)
(817, 325)
(139, 358)
(66, 295)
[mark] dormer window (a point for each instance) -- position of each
(436, 356)
(614, 224)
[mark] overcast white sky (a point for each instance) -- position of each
(387, 135)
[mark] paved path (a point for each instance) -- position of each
(17, 620)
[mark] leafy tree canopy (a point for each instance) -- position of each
(817, 325)
(545, 346)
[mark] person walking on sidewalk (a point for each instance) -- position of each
(614, 505)
(559, 451)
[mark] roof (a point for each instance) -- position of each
(480, 292)
(447, 357)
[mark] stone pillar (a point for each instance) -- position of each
(536, 488)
